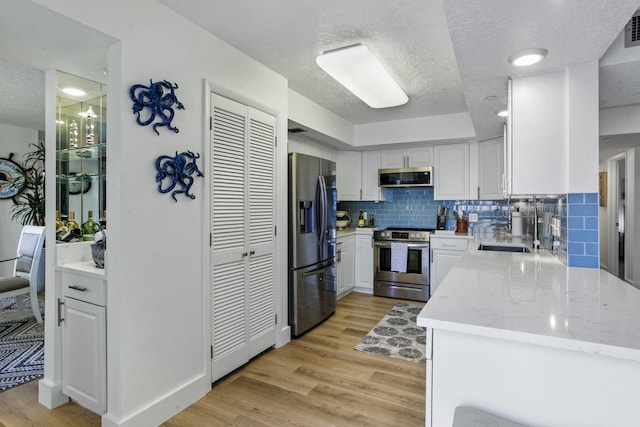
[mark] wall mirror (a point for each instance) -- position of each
(81, 137)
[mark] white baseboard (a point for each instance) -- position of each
(163, 409)
(50, 395)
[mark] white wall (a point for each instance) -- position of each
(582, 99)
(16, 140)
(620, 120)
(157, 292)
(328, 125)
(298, 144)
(446, 127)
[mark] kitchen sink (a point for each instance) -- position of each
(504, 247)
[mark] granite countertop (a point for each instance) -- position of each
(535, 298)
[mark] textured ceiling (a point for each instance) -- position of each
(449, 55)
(34, 39)
(21, 95)
(409, 36)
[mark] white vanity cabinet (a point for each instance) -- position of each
(357, 176)
(82, 318)
(345, 264)
(364, 260)
(406, 157)
(445, 252)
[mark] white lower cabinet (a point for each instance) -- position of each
(364, 260)
(445, 252)
(345, 264)
(83, 318)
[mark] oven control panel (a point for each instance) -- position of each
(402, 235)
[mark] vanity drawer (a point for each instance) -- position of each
(83, 288)
(453, 244)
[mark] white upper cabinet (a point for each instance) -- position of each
(490, 167)
(357, 176)
(406, 157)
(452, 173)
(349, 175)
(536, 134)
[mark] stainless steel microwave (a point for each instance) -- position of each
(406, 177)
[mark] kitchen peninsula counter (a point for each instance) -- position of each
(524, 337)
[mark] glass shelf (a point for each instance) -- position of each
(81, 150)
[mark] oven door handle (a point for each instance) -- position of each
(410, 245)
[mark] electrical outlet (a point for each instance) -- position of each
(473, 217)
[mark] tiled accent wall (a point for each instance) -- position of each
(415, 207)
(582, 230)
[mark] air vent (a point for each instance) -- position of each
(632, 31)
(296, 130)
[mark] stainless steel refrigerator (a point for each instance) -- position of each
(312, 241)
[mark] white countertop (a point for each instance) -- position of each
(355, 230)
(449, 234)
(76, 258)
(535, 298)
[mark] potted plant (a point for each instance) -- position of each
(29, 206)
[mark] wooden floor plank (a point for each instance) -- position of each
(316, 380)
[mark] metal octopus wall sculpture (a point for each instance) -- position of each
(159, 103)
(177, 171)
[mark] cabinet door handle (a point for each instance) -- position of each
(78, 288)
(252, 253)
(60, 304)
(244, 254)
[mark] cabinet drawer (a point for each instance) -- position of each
(450, 244)
(84, 288)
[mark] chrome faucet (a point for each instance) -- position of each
(536, 240)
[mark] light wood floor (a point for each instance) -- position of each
(317, 380)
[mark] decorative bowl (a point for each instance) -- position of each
(342, 223)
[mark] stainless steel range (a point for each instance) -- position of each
(401, 262)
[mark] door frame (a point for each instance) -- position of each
(612, 211)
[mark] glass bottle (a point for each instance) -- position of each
(61, 228)
(103, 220)
(72, 224)
(90, 227)
(361, 220)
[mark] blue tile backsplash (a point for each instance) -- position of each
(582, 230)
(577, 212)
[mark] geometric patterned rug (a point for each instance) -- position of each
(397, 335)
(21, 345)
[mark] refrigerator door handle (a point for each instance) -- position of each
(321, 209)
(317, 271)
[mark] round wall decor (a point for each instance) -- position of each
(12, 179)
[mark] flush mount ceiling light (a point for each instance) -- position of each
(503, 113)
(355, 68)
(73, 91)
(527, 57)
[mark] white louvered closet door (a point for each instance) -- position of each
(242, 198)
(261, 231)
